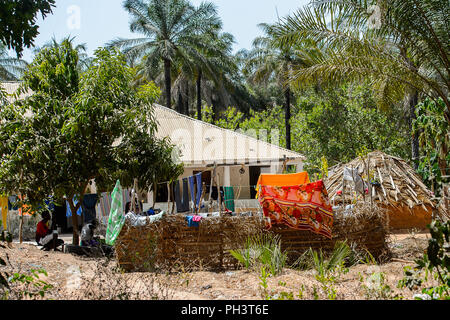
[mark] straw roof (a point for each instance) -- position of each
(398, 186)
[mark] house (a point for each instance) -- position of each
(238, 158)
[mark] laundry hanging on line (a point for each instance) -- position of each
(193, 221)
(301, 207)
(182, 201)
(4, 209)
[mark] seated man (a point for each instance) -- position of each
(87, 234)
(44, 235)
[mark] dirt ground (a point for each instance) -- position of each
(74, 277)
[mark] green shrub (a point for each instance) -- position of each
(263, 249)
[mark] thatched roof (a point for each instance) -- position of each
(396, 183)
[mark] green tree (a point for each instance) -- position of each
(10, 68)
(434, 138)
(335, 123)
(400, 46)
(76, 128)
(271, 62)
(18, 22)
(170, 31)
(84, 61)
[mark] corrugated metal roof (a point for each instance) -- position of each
(201, 143)
(11, 88)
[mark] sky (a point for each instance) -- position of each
(96, 22)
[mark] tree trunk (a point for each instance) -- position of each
(214, 108)
(180, 104)
(187, 99)
(21, 228)
(199, 95)
(413, 101)
(168, 83)
(288, 118)
(155, 190)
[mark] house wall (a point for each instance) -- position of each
(241, 182)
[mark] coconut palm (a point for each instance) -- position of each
(170, 30)
(84, 61)
(400, 46)
(211, 75)
(10, 68)
(270, 62)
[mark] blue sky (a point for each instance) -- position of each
(95, 22)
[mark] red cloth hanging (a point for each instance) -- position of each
(302, 207)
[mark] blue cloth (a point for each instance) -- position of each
(69, 212)
(88, 207)
(150, 212)
(11, 201)
(181, 201)
(199, 188)
(192, 188)
(49, 203)
(191, 222)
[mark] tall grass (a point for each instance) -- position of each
(263, 249)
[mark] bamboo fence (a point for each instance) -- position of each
(171, 245)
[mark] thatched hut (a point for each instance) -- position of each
(392, 184)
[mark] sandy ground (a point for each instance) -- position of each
(74, 277)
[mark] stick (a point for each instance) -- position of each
(220, 198)
(368, 181)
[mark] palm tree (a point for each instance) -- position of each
(401, 46)
(11, 69)
(170, 30)
(270, 62)
(211, 75)
(84, 61)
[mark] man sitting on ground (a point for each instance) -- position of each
(87, 234)
(44, 235)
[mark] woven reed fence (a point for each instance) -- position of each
(365, 229)
(171, 245)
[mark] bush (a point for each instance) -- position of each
(263, 249)
(435, 263)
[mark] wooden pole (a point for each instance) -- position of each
(220, 198)
(368, 181)
(168, 197)
(21, 214)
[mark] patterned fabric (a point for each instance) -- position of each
(302, 207)
(104, 206)
(116, 217)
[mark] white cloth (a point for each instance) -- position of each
(46, 239)
(353, 175)
(140, 221)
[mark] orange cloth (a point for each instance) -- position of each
(4, 209)
(282, 180)
(302, 207)
(25, 209)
